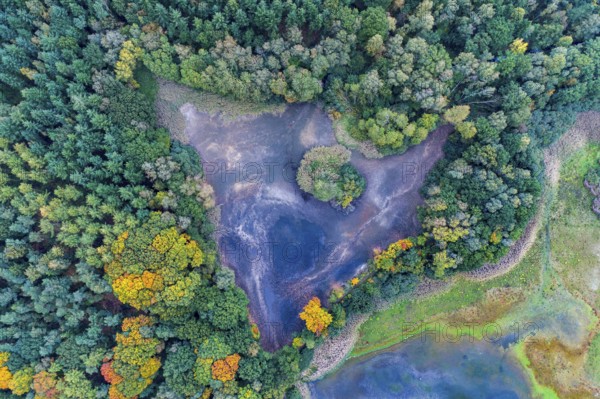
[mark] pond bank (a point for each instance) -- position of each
(585, 130)
(284, 245)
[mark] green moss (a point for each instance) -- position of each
(538, 390)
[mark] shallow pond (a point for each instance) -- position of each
(286, 246)
(429, 369)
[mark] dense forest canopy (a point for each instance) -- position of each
(110, 284)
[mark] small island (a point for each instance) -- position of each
(326, 173)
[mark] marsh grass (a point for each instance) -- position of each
(575, 229)
(171, 96)
(592, 364)
(538, 390)
(381, 330)
(556, 276)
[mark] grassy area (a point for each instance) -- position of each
(557, 278)
(176, 95)
(172, 96)
(592, 364)
(577, 259)
(571, 271)
(575, 229)
(382, 329)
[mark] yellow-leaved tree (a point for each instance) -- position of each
(135, 361)
(388, 259)
(19, 382)
(5, 374)
(225, 369)
(316, 317)
(518, 46)
(128, 57)
(155, 268)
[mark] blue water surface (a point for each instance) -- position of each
(429, 369)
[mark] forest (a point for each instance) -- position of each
(110, 282)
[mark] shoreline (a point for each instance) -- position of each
(585, 129)
(335, 351)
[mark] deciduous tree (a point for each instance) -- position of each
(316, 317)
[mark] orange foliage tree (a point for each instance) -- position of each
(5, 374)
(134, 361)
(316, 317)
(44, 385)
(225, 369)
(388, 259)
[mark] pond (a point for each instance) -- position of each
(284, 245)
(429, 368)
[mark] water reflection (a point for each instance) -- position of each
(429, 369)
(286, 246)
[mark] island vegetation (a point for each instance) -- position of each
(110, 281)
(326, 173)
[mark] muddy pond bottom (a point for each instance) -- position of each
(284, 245)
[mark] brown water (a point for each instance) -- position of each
(284, 245)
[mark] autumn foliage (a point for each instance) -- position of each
(109, 374)
(44, 385)
(225, 369)
(127, 59)
(21, 381)
(316, 317)
(388, 259)
(18, 382)
(5, 374)
(153, 267)
(134, 362)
